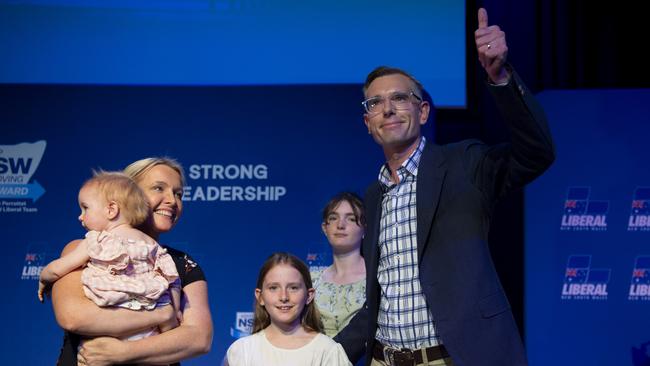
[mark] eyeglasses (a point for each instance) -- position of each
(398, 100)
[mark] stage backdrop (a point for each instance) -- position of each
(588, 233)
(260, 164)
(234, 42)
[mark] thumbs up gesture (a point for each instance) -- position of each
(492, 48)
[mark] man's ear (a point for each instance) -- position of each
(425, 109)
(112, 210)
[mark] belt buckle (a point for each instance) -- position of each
(405, 357)
(388, 355)
(398, 357)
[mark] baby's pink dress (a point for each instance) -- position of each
(128, 273)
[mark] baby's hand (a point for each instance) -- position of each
(43, 290)
(170, 320)
(169, 324)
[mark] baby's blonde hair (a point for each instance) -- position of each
(120, 188)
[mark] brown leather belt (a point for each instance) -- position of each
(407, 357)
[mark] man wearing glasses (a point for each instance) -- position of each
(433, 295)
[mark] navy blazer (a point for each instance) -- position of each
(457, 187)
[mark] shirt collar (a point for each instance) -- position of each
(408, 167)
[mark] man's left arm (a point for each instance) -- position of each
(531, 146)
(531, 150)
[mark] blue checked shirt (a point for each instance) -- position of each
(404, 321)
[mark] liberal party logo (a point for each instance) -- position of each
(316, 261)
(243, 324)
(580, 213)
(17, 165)
(640, 283)
(34, 263)
(640, 212)
(581, 282)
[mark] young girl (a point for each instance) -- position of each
(125, 267)
(341, 287)
(287, 327)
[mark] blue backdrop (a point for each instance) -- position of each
(95, 84)
(233, 42)
(587, 233)
(288, 149)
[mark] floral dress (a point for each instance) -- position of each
(338, 304)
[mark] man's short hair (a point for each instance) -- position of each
(388, 70)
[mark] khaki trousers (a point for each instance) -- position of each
(440, 362)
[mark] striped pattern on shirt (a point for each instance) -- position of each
(404, 320)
